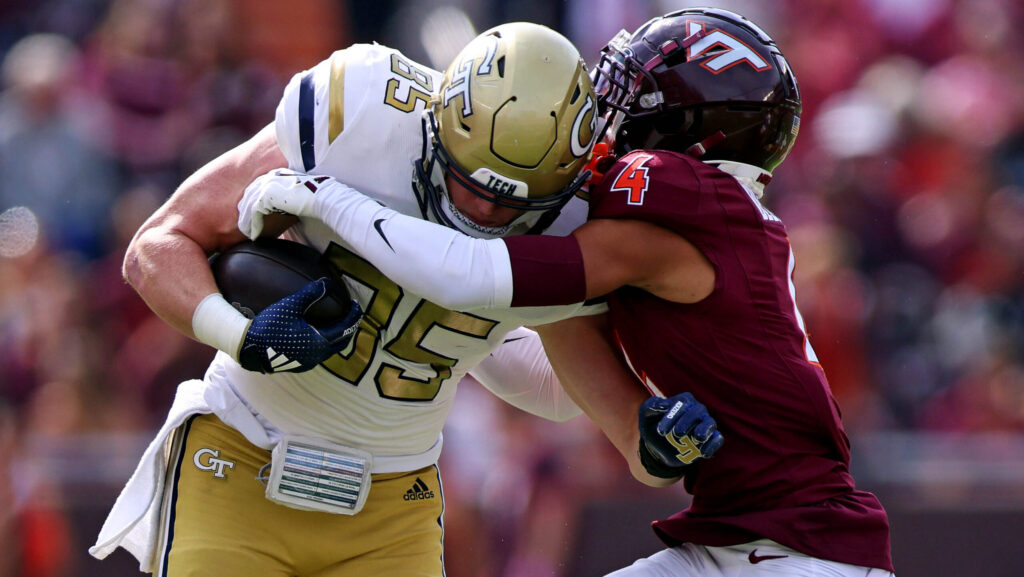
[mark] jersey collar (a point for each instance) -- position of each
(749, 175)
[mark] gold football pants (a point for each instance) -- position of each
(217, 522)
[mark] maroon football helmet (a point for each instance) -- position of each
(704, 81)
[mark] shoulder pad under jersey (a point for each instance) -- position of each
(316, 102)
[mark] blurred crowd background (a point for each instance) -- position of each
(904, 199)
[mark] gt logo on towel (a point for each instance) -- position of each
(212, 463)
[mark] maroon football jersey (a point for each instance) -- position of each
(783, 473)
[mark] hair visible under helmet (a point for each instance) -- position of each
(513, 122)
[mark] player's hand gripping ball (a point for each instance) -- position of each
(674, 433)
(301, 315)
(280, 339)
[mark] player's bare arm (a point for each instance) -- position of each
(166, 261)
(619, 253)
(593, 375)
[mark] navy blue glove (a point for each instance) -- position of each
(279, 339)
(675, 432)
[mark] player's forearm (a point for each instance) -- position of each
(615, 413)
(171, 273)
(166, 261)
(593, 375)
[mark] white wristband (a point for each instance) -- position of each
(220, 325)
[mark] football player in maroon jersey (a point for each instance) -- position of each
(701, 107)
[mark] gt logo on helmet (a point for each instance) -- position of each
(461, 79)
(460, 87)
(736, 51)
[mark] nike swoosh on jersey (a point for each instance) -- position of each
(377, 225)
(754, 558)
(506, 341)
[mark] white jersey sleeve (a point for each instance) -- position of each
(297, 113)
(519, 373)
(352, 101)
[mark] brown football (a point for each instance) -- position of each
(255, 274)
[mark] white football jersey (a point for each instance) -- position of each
(356, 116)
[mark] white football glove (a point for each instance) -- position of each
(276, 192)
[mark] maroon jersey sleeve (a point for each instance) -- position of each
(546, 270)
(783, 472)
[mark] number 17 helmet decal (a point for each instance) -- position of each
(703, 81)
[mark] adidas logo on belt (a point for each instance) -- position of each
(418, 492)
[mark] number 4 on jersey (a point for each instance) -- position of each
(633, 179)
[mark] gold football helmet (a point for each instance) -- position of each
(513, 122)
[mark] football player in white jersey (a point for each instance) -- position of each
(331, 469)
(701, 274)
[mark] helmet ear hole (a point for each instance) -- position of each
(672, 121)
(674, 129)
